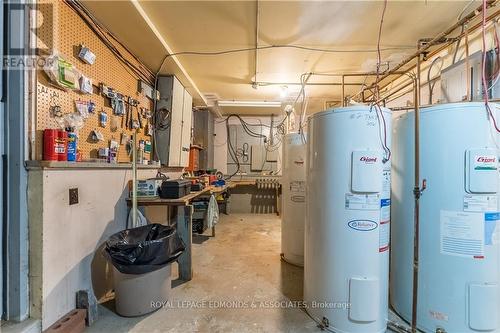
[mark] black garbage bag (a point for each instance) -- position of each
(143, 249)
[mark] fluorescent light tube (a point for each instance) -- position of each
(262, 104)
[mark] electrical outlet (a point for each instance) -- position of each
(73, 196)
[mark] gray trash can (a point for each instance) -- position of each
(142, 262)
(139, 294)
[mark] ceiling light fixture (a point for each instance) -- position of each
(261, 104)
(283, 91)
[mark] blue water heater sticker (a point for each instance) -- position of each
(490, 226)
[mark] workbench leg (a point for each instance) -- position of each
(278, 205)
(185, 230)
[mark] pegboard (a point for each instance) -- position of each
(67, 32)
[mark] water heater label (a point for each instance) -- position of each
(384, 236)
(438, 315)
(462, 234)
(384, 230)
(363, 225)
(362, 201)
(298, 198)
(480, 203)
(491, 228)
(386, 182)
(481, 171)
(298, 186)
(485, 162)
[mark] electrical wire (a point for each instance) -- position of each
(284, 46)
(485, 85)
(236, 153)
(379, 55)
(302, 95)
(433, 83)
(496, 69)
(140, 70)
(459, 39)
(233, 153)
(162, 119)
(382, 132)
(458, 44)
(463, 10)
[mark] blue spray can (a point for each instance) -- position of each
(72, 144)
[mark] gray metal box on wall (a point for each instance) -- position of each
(454, 82)
(162, 139)
(204, 137)
(173, 138)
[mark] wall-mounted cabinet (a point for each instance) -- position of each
(174, 139)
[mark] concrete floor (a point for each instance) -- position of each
(242, 264)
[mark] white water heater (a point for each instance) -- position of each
(346, 267)
(294, 198)
(459, 253)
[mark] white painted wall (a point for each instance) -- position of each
(66, 241)
(220, 140)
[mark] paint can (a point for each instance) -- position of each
(54, 145)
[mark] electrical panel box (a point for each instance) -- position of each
(173, 142)
(483, 307)
(263, 160)
(366, 173)
(258, 157)
(272, 155)
(482, 170)
(364, 294)
(454, 81)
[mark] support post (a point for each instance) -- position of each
(185, 230)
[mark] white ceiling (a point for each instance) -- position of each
(206, 26)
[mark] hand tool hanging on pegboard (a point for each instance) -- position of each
(139, 116)
(127, 115)
(133, 103)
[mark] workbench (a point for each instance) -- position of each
(183, 221)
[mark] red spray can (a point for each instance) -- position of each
(62, 145)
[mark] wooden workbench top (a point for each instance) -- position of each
(156, 201)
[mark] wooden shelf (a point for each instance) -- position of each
(34, 165)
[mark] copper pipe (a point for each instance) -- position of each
(438, 38)
(416, 246)
(264, 84)
(443, 47)
(467, 65)
(343, 90)
(416, 192)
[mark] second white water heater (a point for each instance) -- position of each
(294, 198)
(459, 262)
(348, 216)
